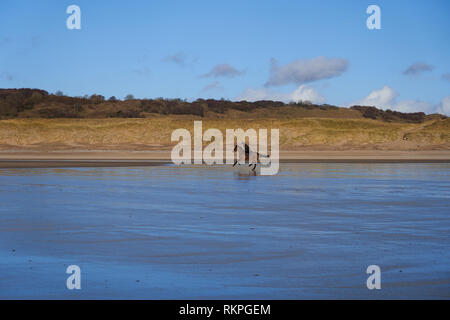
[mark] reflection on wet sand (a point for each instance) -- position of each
(212, 232)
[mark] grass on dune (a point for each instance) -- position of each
(157, 131)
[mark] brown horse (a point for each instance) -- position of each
(247, 152)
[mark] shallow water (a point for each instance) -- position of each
(206, 232)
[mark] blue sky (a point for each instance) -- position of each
(320, 50)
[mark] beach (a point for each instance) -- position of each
(208, 232)
(206, 153)
(102, 158)
(104, 195)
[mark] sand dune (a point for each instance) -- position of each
(141, 142)
(154, 133)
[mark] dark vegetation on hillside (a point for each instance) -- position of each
(34, 103)
(389, 115)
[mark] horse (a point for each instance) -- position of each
(248, 153)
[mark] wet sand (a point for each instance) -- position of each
(10, 164)
(34, 159)
(206, 232)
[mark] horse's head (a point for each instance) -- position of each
(241, 146)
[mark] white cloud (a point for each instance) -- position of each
(418, 68)
(381, 98)
(303, 92)
(223, 70)
(413, 106)
(446, 76)
(444, 106)
(212, 86)
(306, 70)
(178, 58)
(385, 98)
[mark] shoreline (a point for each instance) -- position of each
(99, 158)
(23, 164)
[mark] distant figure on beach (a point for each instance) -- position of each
(250, 156)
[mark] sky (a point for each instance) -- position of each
(320, 51)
